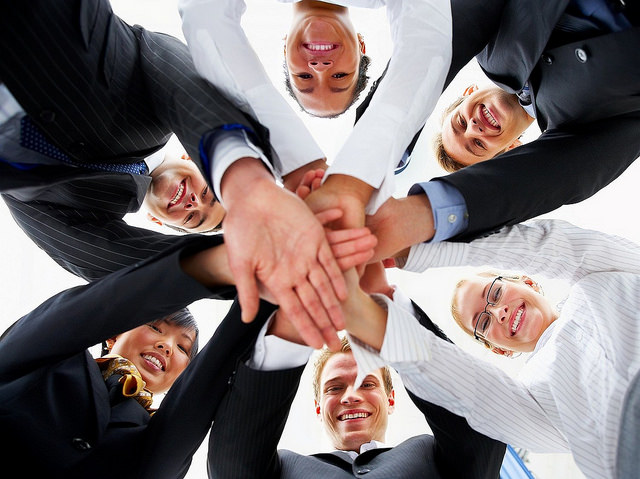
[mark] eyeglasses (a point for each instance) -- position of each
(494, 295)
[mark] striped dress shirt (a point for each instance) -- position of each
(569, 394)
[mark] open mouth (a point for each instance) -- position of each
(517, 319)
(178, 195)
(355, 415)
(488, 117)
(154, 361)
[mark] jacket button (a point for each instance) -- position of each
(547, 59)
(80, 444)
(363, 470)
(47, 116)
(581, 55)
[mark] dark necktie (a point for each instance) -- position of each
(32, 138)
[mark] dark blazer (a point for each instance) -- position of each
(101, 91)
(55, 412)
(244, 439)
(588, 111)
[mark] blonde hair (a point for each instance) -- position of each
(444, 160)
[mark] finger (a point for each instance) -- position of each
(316, 183)
(247, 292)
(338, 236)
(296, 313)
(303, 191)
(333, 272)
(309, 297)
(328, 216)
(347, 262)
(356, 245)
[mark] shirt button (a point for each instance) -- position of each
(547, 59)
(47, 116)
(452, 218)
(80, 444)
(581, 55)
(579, 336)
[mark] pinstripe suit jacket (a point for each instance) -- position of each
(55, 411)
(589, 112)
(101, 91)
(244, 439)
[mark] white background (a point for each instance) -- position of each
(31, 277)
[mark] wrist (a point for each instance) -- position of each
(241, 178)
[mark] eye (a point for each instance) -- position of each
(183, 349)
(368, 385)
(496, 294)
(339, 75)
(461, 121)
(188, 218)
(332, 389)
(205, 191)
(154, 327)
(479, 144)
(305, 76)
(485, 321)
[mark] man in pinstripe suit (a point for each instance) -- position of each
(103, 92)
(248, 425)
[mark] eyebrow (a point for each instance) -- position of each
(456, 132)
(331, 89)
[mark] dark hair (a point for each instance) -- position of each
(215, 229)
(361, 84)
(181, 318)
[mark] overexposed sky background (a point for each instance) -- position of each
(31, 276)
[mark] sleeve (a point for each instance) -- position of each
(420, 60)
(272, 353)
(437, 371)
(80, 317)
(560, 167)
(223, 55)
(553, 248)
(249, 423)
(89, 244)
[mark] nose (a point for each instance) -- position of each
(499, 312)
(475, 126)
(320, 66)
(164, 347)
(351, 396)
(192, 201)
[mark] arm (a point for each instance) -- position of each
(421, 34)
(554, 248)
(443, 374)
(153, 288)
(223, 55)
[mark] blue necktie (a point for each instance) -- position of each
(600, 11)
(32, 138)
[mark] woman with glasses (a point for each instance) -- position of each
(575, 392)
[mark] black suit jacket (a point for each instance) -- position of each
(101, 91)
(244, 438)
(55, 412)
(589, 111)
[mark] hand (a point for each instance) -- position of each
(272, 238)
(374, 280)
(283, 328)
(311, 181)
(399, 224)
(346, 193)
(292, 180)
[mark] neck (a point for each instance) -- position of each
(306, 7)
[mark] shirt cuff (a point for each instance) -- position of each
(450, 215)
(272, 353)
(227, 146)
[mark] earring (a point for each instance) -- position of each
(318, 410)
(391, 401)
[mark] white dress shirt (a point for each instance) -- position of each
(421, 32)
(569, 394)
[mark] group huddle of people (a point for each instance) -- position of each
(300, 242)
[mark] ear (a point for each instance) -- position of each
(363, 47)
(502, 352)
(110, 342)
(153, 219)
(531, 283)
(318, 415)
(470, 89)
(392, 402)
(513, 145)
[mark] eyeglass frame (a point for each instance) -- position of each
(479, 336)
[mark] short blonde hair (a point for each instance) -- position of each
(444, 160)
(326, 354)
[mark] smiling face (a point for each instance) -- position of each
(322, 56)
(517, 320)
(179, 196)
(160, 351)
(352, 417)
(485, 124)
